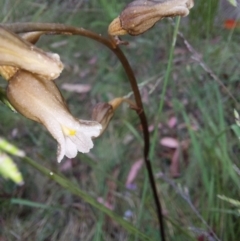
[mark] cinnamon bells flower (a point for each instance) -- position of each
(141, 15)
(103, 112)
(19, 53)
(40, 100)
(32, 92)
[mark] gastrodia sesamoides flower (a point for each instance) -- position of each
(40, 100)
(141, 15)
(103, 112)
(19, 53)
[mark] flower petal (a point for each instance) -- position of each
(71, 149)
(56, 131)
(90, 128)
(83, 137)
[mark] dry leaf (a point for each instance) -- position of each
(175, 168)
(77, 88)
(133, 172)
(169, 142)
(172, 122)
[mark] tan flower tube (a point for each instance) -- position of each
(40, 100)
(103, 112)
(16, 52)
(141, 15)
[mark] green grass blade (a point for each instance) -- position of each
(71, 187)
(28, 203)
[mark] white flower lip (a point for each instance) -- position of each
(78, 139)
(40, 100)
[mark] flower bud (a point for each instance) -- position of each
(8, 71)
(40, 100)
(16, 52)
(141, 15)
(103, 112)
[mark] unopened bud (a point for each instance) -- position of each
(103, 112)
(16, 52)
(7, 72)
(141, 15)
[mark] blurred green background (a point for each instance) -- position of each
(197, 153)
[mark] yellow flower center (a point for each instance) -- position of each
(68, 132)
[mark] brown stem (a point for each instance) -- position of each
(52, 28)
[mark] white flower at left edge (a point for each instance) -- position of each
(40, 100)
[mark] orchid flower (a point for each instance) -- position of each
(40, 100)
(141, 15)
(103, 112)
(17, 52)
(31, 91)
